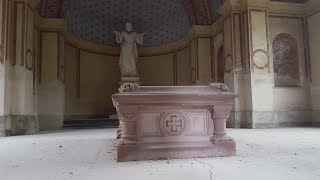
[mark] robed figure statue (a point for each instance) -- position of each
(128, 41)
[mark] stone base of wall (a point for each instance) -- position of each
(276, 119)
(23, 125)
(50, 122)
(239, 119)
(316, 118)
(2, 126)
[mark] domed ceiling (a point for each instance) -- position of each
(94, 20)
(163, 21)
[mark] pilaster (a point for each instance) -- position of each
(17, 66)
(237, 65)
(248, 67)
(3, 67)
(51, 86)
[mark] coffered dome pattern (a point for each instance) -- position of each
(164, 21)
(94, 20)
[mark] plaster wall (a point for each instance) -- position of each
(314, 43)
(90, 82)
(194, 61)
(242, 85)
(91, 77)
(236, 70)
(262, 78)
(51, 91)
(2, 89)
(2, 101)
(205, 69)
(183, 66)
(19, 109)
(4, 123)
(261, 71)
(217, 44)
(228, 54)
(291, 104)
(157, 70)
(51, 105)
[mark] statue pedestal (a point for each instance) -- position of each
(130, 80)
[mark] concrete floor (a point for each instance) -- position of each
(90, 154)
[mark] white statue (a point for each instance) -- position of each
(128, 41)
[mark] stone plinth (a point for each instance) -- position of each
(173, 122)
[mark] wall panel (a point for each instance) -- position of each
(157, 70)
(99, 76)
(18, 33)
(204, 60)
(184, 66)
(49, 56)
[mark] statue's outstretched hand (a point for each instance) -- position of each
(116, 33)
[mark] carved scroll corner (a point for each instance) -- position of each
(219, 87)
(128, 87)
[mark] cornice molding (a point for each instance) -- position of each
(312, 6)
(273, 7)
(33, 3)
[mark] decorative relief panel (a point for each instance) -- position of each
(198, 123)
(174, 124)
(228, 64)
(149, 124)
(261, 59)
(286, 60)
(29, 60)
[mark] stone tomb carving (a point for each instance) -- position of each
(173, 121)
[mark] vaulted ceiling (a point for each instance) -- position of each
(164, 21)
(199, 11)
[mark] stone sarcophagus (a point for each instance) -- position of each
(173, 121)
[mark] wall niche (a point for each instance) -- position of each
(286, 61)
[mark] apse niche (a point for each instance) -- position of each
(286, 61)
(163, 21)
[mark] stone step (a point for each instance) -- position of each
(84, 123)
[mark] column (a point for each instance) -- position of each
(128, 123)
(220, 114)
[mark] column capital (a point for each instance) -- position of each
(240, 5)
(311, 6)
